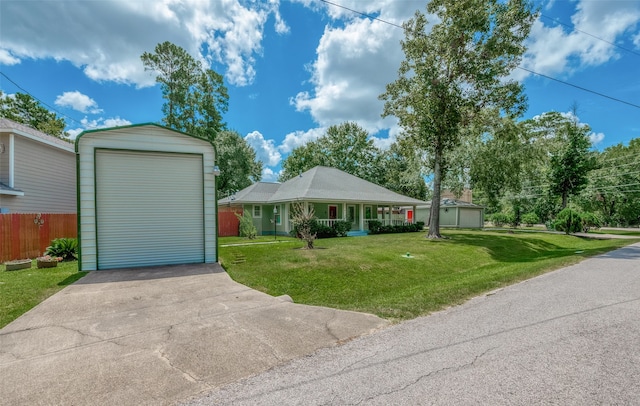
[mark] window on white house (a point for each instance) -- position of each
(279, 216)
(257, 211)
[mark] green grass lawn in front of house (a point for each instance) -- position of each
(373, 274)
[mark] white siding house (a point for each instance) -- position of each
(146, 198)
(37, 171)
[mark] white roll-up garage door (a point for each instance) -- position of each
(149, 208)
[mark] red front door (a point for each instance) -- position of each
(333, 212)
(410, 216)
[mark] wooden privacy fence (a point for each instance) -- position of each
(29, 235)
(228, 223)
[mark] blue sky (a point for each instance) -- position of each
(295, 67)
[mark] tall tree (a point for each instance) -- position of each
(569, 167)
(401, 169)
(346, 146)
(195, 98)
(454, 70)
(239, 167)
(24, 109)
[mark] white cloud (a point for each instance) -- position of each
(352, 67)
(266, 150)
(299, 138)
(78, 101)
(596, 138)
(108, 48)
(7, 59)
(554, 49)
(269, 175)
(356, 58)
(98, 123)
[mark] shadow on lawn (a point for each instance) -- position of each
(72, 278)
(519, 247)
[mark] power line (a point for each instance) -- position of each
(40, 101)
(581, 88)
(361, 13)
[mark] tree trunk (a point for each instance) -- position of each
(434, 223)
(564, 199)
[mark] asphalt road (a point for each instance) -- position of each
(569, 337)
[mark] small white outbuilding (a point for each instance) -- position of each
(146, 197)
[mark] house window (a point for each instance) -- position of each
(367, 212)
(257, 211)
(278, 215)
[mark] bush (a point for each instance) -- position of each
(499, 219)
(342, 228)
(66, 248)
(247, 228)
(568, 221)
(529, 219)
(376, 227)
(513, 220)
(590, 221)
(322, 231)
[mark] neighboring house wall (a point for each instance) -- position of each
(448, 216)
(47, 176)
(264, 223)
(39, 168)
(4, 159)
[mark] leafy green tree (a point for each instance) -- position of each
(195, 98)
(24, 109)
(501, 157)
(569, 168)
(239, 167)
(454, 70)
(614, 187)
(346, 146)
(401, 169)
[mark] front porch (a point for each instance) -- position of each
(327, 214)
(385, 222)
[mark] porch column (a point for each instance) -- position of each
(344, 211)
(287, 207)
(361, 216)
(413, 219)
(390, 215)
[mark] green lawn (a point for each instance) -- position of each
(372, 274)
(23, 289)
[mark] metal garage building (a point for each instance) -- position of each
(454, 213)
(146, 196)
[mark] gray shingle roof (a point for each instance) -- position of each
(7, 125)
(321, 184)
(259, 192)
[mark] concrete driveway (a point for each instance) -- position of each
(156, 336)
